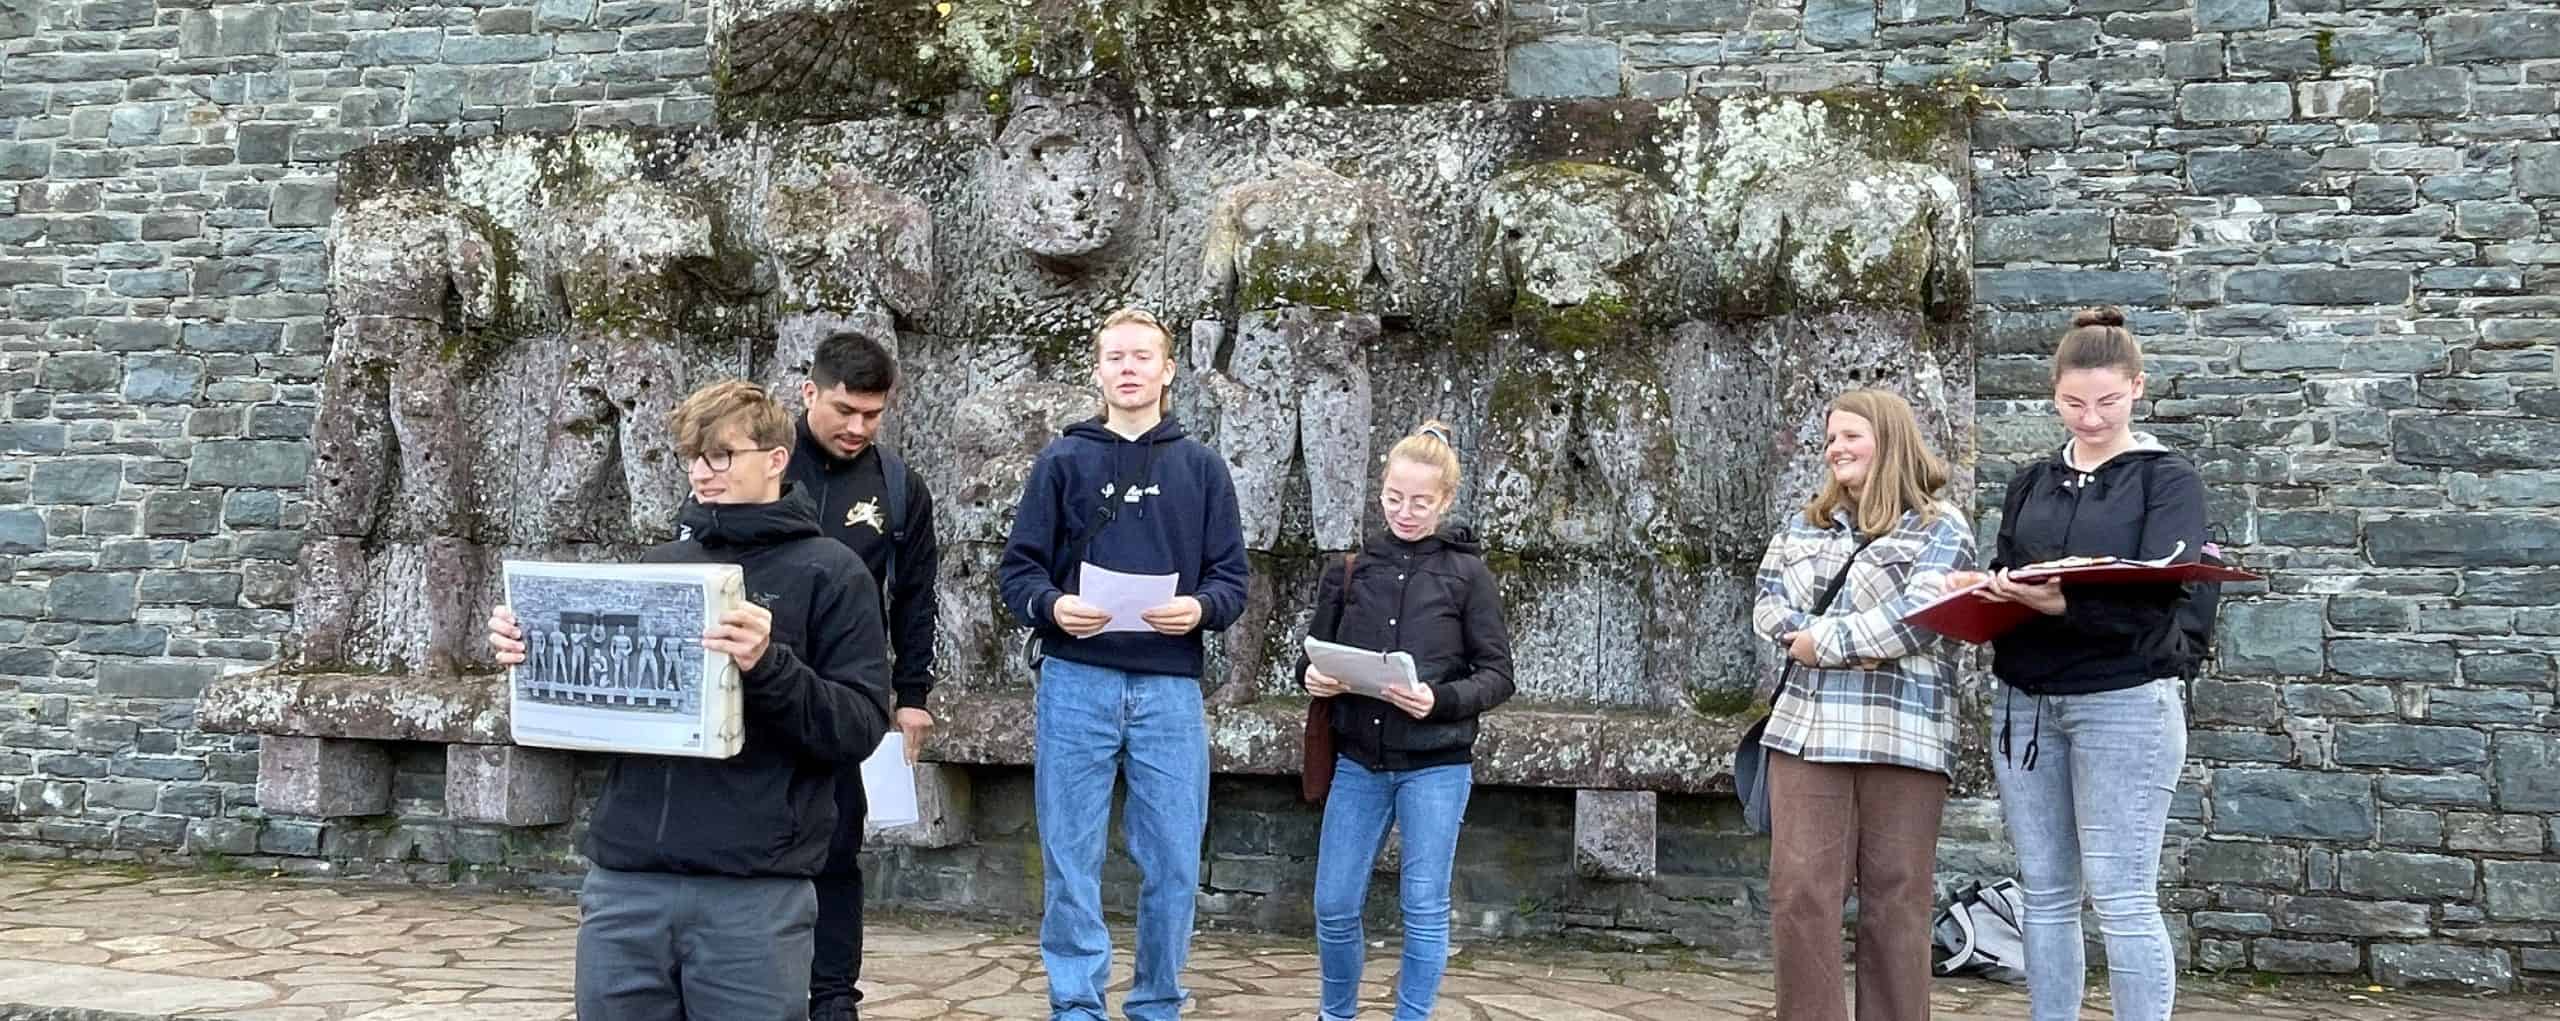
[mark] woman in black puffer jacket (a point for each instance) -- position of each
(1407, 758)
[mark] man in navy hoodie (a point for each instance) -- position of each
(698, 903)
(1124, 491)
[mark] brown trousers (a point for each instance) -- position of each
(1835, 825)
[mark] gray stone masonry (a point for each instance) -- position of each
(2336, 224)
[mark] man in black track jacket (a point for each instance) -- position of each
(869, 500)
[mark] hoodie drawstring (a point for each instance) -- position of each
(2008, 716)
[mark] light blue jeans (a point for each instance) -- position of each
(1095, 725)
(2088, 818)
(1426, 806)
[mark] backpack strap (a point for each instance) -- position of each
(893, 484)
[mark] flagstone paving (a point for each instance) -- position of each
(109, 942)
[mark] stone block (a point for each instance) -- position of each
(303, 203)
(553, 15)
(2466, 705)
(2451, 539)
(2333, 916)
(1563, 68)
(2537, 170)
(2425, 91)
(2070, 287)
(1614, 834)
(323, 777)
(95, 597)
(1840, 24)
(2409, 746)
(2043, 237)
(162, 378)
(2433, 877)
(22, 530)
(234, 31)
(2231, 15)
(509, 785)
(397, 46)
(2483, 969)
(210, 588)
(2522, 891)
(249, 462)
(2251, 171)
(2235, 102)
(82, 481)
(2292, 803)
(942, 811)
(2298, 957)
(2504, 35)
(154, 678)
(2436, 790)
(2246, 863)
(2393, 659)
(2319, 286)
(172, 513)
(2526, 766)
(2263, 637)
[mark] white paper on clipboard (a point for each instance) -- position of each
(1364, 671)
(889, 784)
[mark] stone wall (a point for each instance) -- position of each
(2338, 221)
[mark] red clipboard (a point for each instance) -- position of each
(1967, 616)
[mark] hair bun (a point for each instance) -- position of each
(2105, 316)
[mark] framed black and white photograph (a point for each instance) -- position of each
(614, 658)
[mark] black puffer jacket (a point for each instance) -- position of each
(2143, 504)
(817, 702)
(1433, 598)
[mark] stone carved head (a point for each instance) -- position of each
(1304, 236)
(1068, 177)
(1567, 234)
(616, 249)
(844, 243)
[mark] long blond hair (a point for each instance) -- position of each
(1905, 475)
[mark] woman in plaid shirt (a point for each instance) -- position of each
(1862, 730)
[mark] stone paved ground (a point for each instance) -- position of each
(101, 942)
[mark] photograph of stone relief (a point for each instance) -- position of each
(614, 658)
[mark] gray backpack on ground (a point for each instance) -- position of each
(1977, 935)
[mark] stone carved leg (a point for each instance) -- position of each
(351, 436)
(435, 463)
(1248, 640)
(454, 572)
(1258, 424)
(330, 574)
(581, 445)
(1334, 422)
(645, 388)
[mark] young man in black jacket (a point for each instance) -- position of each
(868, 499)
(699, 902)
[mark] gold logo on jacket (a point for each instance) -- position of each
(866, 513)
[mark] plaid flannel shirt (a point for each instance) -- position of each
(1884, 691)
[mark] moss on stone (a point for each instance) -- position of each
(1724, 702)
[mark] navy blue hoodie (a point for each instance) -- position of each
(1183, 521)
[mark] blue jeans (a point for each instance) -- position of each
(1094, 725)
(1426, 805)
(2089, 818)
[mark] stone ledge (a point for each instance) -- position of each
(1587, 749)
(1520, 746)
(446, 709)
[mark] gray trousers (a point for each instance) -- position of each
(662, 947)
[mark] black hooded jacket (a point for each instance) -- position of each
(2144, 504)
(818, 700)
(1433, 598)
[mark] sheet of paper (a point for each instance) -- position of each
(1362, 670)
(1124, 596)
(889, 783)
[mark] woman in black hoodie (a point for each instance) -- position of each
(1405, 758)
(2087, 770)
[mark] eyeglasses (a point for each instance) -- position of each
(720, 460)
